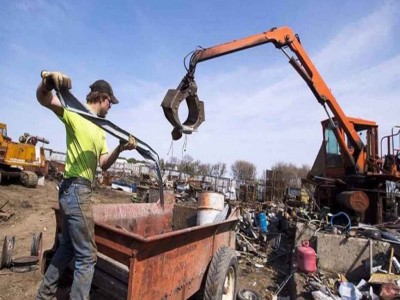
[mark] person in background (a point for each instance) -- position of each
(86, 149)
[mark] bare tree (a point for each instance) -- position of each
(304, 170)
(243, 170)
(162, 164)
(218, 169)
(291, 174)
(204, 169)
(196, 166)
(186, 165)
(172, 162)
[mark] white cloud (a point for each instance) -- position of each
(359, 43)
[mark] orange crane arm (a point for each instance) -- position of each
(283, 38)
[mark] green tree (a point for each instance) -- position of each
(132, 160)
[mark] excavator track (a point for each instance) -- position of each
(29, 179)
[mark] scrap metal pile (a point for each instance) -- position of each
(264, 242)
(372, 270)
(268, 236)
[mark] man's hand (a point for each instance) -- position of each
(130, 145)
(55, 80)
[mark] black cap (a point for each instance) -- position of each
(104, 87)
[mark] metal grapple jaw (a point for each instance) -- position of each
(187, 90)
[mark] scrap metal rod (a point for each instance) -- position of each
(282, 285)
(4, 204)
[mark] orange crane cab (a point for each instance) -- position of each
(348, 173)
(333, 165)
(20, 159)
(369, 191)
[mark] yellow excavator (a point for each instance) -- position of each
(21, 159)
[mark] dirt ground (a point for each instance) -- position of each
(33, 214)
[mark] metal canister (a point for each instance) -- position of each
(262, 221)
(306, 258)
(210, 204)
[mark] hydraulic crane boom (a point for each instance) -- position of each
(282, 38)
(348, 175)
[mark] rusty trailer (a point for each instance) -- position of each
(156, 251)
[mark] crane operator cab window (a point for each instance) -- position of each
(333, 157)
(3, 134)
(3, 130)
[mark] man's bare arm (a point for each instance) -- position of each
(52, 80)
(106, 160)
(47, 99)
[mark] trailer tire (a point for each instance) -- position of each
(248, 294)
(221, 282)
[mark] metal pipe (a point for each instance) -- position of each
(370, 257)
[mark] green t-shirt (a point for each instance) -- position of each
(85, 143)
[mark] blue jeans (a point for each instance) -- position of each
(77, 242)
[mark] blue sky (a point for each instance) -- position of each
(257, 108)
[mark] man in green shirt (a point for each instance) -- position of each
(86, 148)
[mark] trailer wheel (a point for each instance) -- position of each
(221, 283)
(248, 294)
